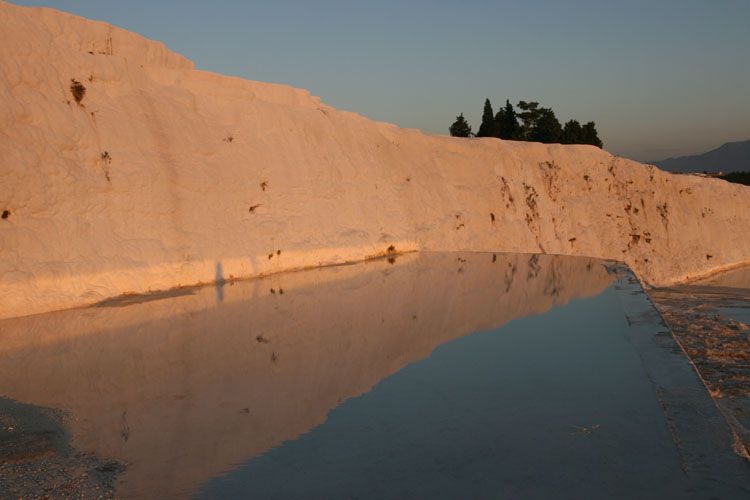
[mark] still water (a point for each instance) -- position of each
(432, 376)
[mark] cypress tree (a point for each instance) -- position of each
(499, 119)
(507, 122)
(487, 128)
(572, 132)
(528, 115)
(546, 128)
(589, 135)
(460, 127)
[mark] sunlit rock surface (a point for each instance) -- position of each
(163, 175)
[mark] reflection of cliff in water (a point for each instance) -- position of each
(186, 387)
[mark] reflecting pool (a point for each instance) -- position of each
(432, 375)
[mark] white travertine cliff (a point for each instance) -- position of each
(164, 175)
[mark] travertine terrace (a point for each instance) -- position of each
(156, 384)
(159, 175)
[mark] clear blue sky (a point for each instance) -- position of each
(659, 77)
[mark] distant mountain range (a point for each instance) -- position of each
(730, 157)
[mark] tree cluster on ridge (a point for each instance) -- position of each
(531, 123)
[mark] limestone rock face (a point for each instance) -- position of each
(163, 175)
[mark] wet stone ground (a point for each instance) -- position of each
(36, 460)
(709, 320)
